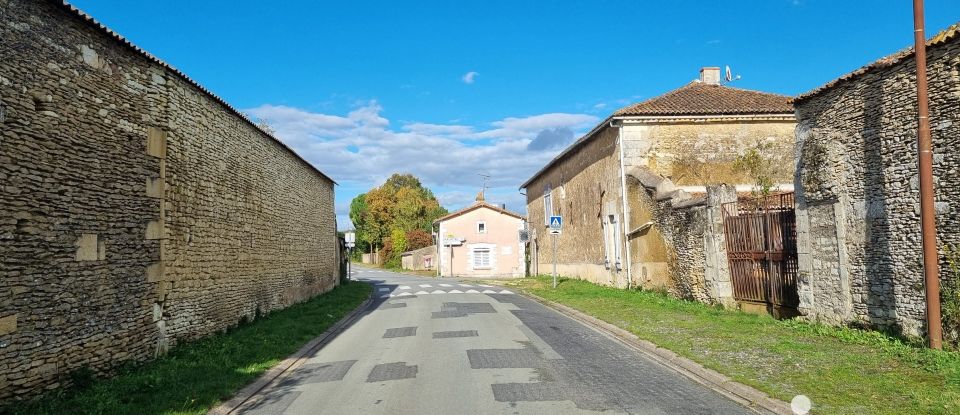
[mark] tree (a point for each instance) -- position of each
(418, 238)
(390, 212)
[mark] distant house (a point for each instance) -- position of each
(481, 240)
(691, 135)
(423, 259)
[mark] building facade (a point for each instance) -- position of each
(691, 136)
(138, 209)
(481, 240)
(858, 198)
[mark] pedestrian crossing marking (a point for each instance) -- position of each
(425, 285)
(446, 285)
(473, 292)
(455, 292)
(403, 287)
(466, 285)
(421, 292)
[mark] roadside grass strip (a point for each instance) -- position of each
(196, 376)
(841, 370)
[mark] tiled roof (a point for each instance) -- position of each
(475, 206)
(944, 36)
(698, 98)
(89, 20)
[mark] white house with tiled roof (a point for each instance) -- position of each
(691, 135)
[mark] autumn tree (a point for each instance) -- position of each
(391, 212)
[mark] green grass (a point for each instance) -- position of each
(196, 376)
(842, 370)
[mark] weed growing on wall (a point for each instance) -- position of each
(950, 297)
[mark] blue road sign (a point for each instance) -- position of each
(556, 222)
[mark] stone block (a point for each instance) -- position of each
(8, 324)
(156, 142)
(154, 230)
(155, 272)
(155, 187)
(89, 248)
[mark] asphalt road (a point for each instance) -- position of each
(438, 346)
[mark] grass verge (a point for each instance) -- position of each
(196, 376)
(842, 370)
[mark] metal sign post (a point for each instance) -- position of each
(351, 240)
(556, 223)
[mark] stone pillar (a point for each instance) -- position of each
(717, 271)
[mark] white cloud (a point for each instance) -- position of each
(361, 149)
(469, 77)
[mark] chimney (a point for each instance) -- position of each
(710, 75)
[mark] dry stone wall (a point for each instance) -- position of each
(858, 225)
(136, 210)
(689, 228)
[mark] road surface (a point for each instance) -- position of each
(440, 346)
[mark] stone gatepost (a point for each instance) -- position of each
(717, 269)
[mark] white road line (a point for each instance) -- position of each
(506, 292)
(466, 285)
(484, 286)
(473, 292)
(438, 292)
(421, 293)
(404, 287)
(446, 285)
(489, 292)
(456, 292)
(425, 285)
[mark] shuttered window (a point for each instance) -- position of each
(481, 258)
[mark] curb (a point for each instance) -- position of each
(745, 395)
(291, 362)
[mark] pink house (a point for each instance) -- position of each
(481, 240)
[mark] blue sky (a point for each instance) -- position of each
(446, 90)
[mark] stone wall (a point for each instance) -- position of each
(858, 224)
(697, 151)
(678, 241)
(137, 210)
(585, 188)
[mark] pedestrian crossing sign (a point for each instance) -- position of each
(556, 222)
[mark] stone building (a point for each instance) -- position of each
(858, 198)
(690, 136)
(137, 209)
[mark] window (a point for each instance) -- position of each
(481, 258)
(481, 227)
(547, 205)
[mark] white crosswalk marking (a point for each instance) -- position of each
(403, 294)
(425, 285)
(484, 286)
(489, 292)
(466, 285)
(438, 292)
(473, 292)
(506, 292)
(421, 293)
(446, 285)
(404, 287)
(455, 292)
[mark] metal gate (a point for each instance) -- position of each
(761, 238)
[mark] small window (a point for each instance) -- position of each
(481, 227)
(481, 258)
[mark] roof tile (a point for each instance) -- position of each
(698, 98)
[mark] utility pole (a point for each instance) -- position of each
(928, 225)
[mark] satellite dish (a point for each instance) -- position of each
(729, 75)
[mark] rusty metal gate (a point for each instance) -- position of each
(761, 238)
